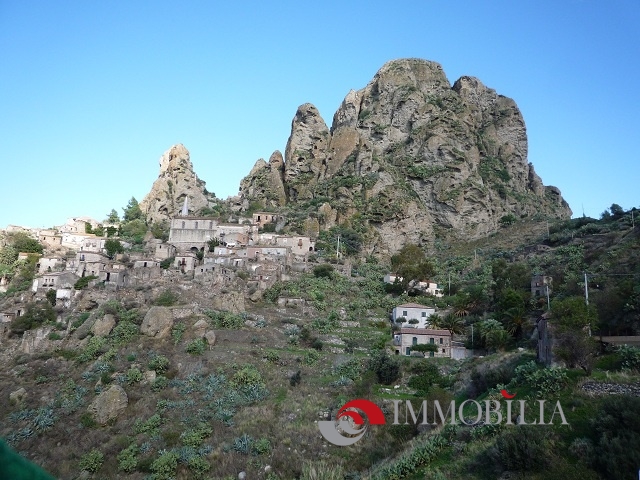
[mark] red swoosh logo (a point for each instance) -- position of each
(507, 395)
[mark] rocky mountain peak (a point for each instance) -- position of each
(408, 157)
(176, 181)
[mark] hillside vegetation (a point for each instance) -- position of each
(249, 401)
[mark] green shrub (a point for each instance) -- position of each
(198, 466)
(225, 320)
(83, 282)
(617, 427)
(80, 320)
(167, 262)
(35, 314)
(159, 363)
(92, 461)
(177, 332)
(127, 458)
(526, 448)
(164, 467)
(247, 375)
(124, 332)
(160, 383)
(197, 346)
(325, 270)
(92, 350)
(87, 421)
(54, 336)
(387, 369)
(134, 375)
(295, 378)
(166, 299)
(152, 424)
(630, 357)
(51, 297)
(261, 446)
(195, 437)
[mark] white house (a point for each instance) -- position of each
(413, 311)
(408, 337)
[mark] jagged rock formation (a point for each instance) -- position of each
(176, 181)
(410, 156)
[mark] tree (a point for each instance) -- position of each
(493, 334)
(24, 243)
(113, 217)
(51, 297)
(386, 368)
(572, 321)
(411, 264)
(450, 322)
(113, 246)
(512, 311)
(134, 230)
(132, 211)
(213, 243)
(35, 314)
(324, 270)
(617, 211)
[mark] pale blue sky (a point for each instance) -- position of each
(92, 93)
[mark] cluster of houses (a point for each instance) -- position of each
(197, 247)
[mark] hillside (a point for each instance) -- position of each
(247, 399)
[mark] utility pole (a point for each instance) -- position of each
(586, 289)
(338, 248)
(548, 302)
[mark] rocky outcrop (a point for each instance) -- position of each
(231, 301)
(108, 405)
(265, 182)
(157, 322)
(103, 326)
(408, 158)
(176, 181)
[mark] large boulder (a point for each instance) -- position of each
(103, 326)
(18, 396)
(157, 322)
(109, 404)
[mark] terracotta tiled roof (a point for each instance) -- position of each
(412, 305)
(425, 331)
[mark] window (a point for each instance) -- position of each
(210, 225)
(440, 341)
(443, 351)
(431, 340)
(424, 314)
(408, 350)
(196, 225)
(182, 224)
(431, 354)
(414, 341)
(404, 313)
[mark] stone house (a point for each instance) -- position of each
(263, 218)
(51, 264)
(50, 238)
(92, 243)
(56, 280)
(539, 285)
(185, 262)
(406, 338)
(413, 311)
(114, 275)
(164, 251)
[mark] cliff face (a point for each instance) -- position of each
(176, 181)
(408, 155)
